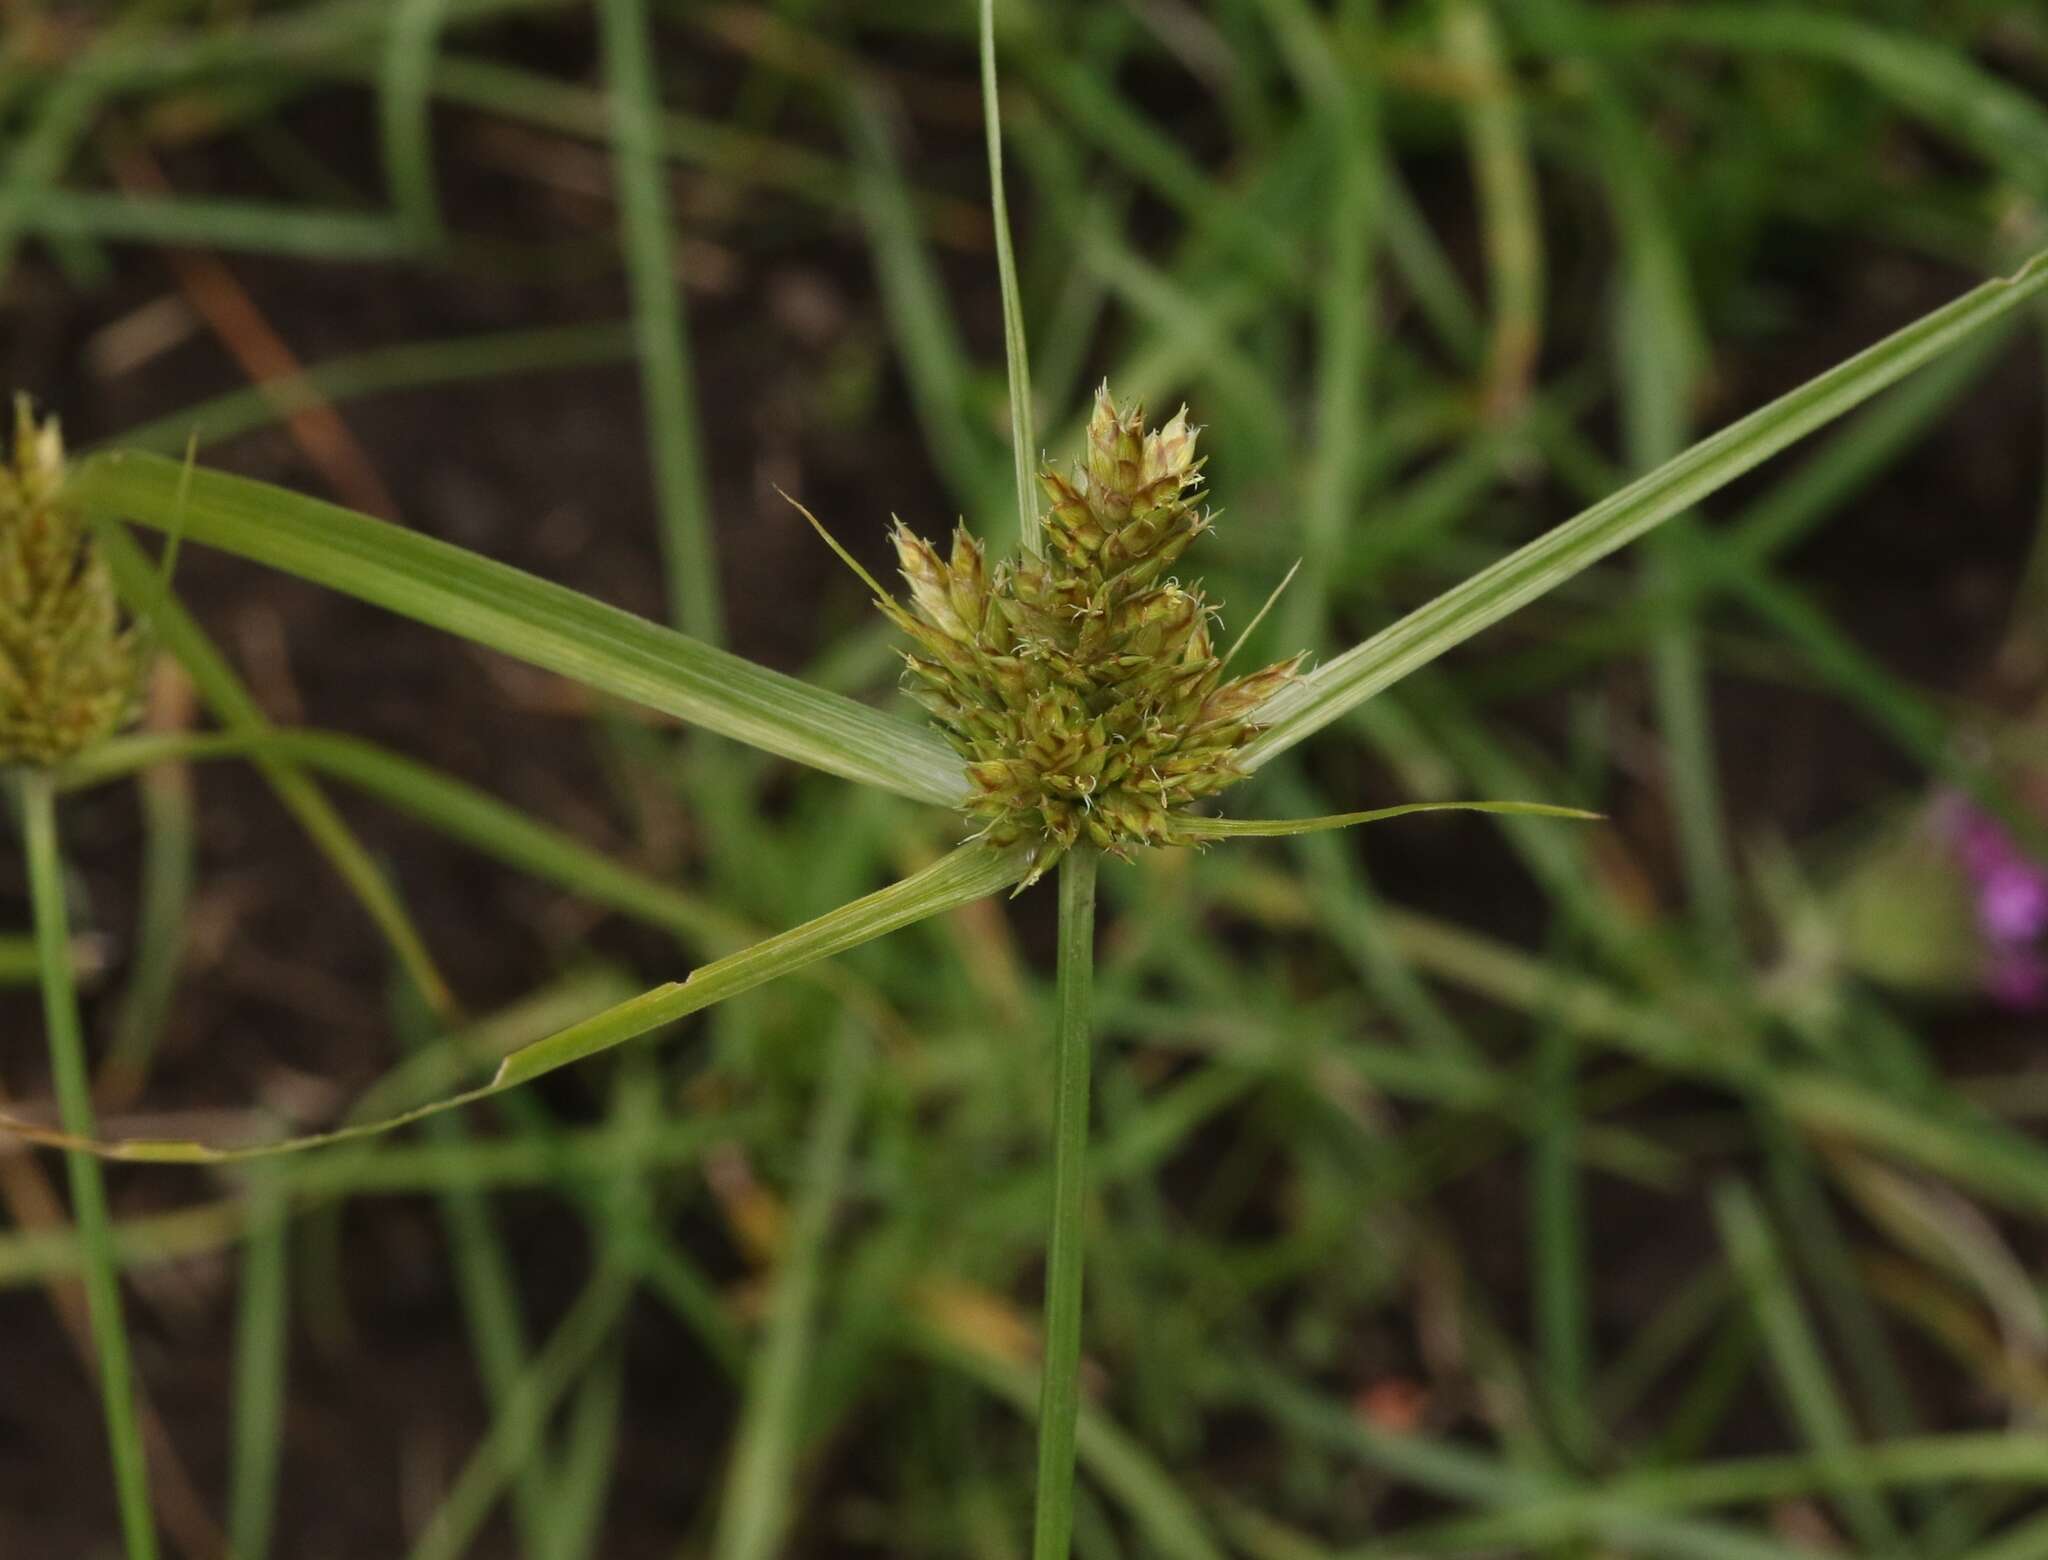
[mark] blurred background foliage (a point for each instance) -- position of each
(1671, 1187)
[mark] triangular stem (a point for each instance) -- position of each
(1060, 1392)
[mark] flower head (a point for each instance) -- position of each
(1081, 683)
(67, 667)
(2009, 894)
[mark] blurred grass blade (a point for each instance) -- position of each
(158, 56)
(1950, 1232)
(1990, 1457)
(1327, 693)
(1940, 1132)
(170, 852)
(973, 871)
(1802, 1365)
(928, 343)
(589, 1461)
(1268, 828)
(1498, 144)
(19, 965)
(1345, 311)
(674, 432)
(1456, 1473)
(463, 812)
(528, 618)
(37, 154)
(252, 227)
(262, 1360)
(452, 806)
(1934, 81)
(952, 1335)
(143, 591)
(410, 365)
(485, 1287)
(404, 102)
(760, 1501)
(521, 1423)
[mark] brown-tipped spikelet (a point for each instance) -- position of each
(1080, 684)
(67, 667)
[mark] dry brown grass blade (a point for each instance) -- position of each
(249, 337)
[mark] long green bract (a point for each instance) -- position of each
(1269, 828)
(528, 618)
(974, 871)
(1327, 693)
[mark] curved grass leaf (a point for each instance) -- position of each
(462, 812)
(1158, 1506)
(404, 112)
(247, 226)
(528, 618)
(139, 59)
(668, 394)
(762, 1495)
(1270, 828)
(1935, 81)
(411, 365)
(1325, 694)
(974, 871)
(143, 589)
(453, 807)
(1987, 1457)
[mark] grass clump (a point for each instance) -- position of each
(68, 674)
(1349, 1144)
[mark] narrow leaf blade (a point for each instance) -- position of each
(974, 871)
(1324, 695)
(532, 619)
(1269, 828)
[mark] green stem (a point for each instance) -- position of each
(88, 1191)
(674, 432)
(1023, 440)
(1059, 1403)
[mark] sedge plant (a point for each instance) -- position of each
(67, 682)
(1082, 708)
(1056, 678)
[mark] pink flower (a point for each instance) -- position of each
(2011, 902)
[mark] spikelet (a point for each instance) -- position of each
(67, 667)
(1081, 685)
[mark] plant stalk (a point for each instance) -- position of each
(1023, 440)
(1059, 1403)
(88, 1190)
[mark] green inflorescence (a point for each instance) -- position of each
(67, 666)
(1080, 683)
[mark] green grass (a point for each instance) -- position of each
(62, 1027)
(1472, 297)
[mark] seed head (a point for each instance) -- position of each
(67, 667)
(1081, 685)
